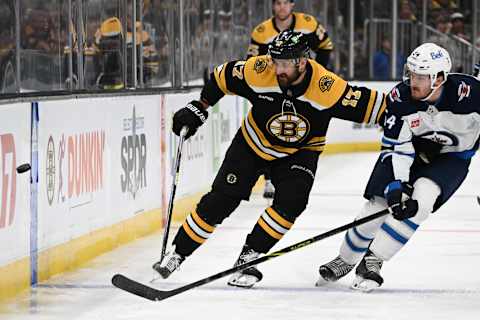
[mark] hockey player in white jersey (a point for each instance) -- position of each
(431, 132)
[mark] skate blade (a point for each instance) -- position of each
(245, 281)
(322, 282)
(364, 285)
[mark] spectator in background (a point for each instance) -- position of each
(38, 31)
(382, 62)
(457, 20)
(437, 8)
(441, 37)
(406, 11)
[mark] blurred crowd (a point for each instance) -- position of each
(214, 31)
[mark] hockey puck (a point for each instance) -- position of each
(478, 199)
(23, 168)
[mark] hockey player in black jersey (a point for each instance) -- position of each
(431, 132)
(284, 18)
(293, 99)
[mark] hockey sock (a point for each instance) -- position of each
(270, 228)
(357, 239)
(193, 232)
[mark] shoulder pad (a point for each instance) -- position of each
(399, 93)
(305, 23)
(264, 33)
(325, 89)
(260, 75)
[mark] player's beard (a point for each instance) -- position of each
(284, 80)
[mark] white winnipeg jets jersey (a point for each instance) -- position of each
(451, 125)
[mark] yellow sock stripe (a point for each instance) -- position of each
(254, 147)
(278, 218)
(371, 102)
(274, 234)
(192, 234)
(205, 226)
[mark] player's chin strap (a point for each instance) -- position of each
(435, 88)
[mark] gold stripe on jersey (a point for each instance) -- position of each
(314, 148)
(265, 32)
(267, 152)
(371, 102)
(260, 75)
(316, 140)
(382, 109)
(305, 23)
(264, 140)
(220, 78)
(326, 44)
(252, 145)
(325, 89)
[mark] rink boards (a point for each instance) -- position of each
(104, 175)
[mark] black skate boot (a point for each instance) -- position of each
(170, 263)
(333, 271)
(368, 273)
(246, 278)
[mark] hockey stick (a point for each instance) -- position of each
(178, 156)
(153, 294)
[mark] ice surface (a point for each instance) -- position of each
(435, 276)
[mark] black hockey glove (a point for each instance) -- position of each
(395, 193)
(193, 115)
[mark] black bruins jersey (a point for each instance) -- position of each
(285, 120)
(317, 37)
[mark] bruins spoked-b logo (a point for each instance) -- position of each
(325, 83)
(231, 178)
(260, 65)
(289, 126)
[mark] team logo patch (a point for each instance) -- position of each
(415, 123)
(261, 28)
(325, 83)
(463, 91)
(289, 126)
(307, 18)
(231, 178)
(260, 65)
(395, 95)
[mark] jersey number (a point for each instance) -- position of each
(237, 70)
(390, 122)
(351, 98)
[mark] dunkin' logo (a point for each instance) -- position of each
(8, 179)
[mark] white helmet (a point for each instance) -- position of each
(428, 59)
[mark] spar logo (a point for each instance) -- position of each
(133, 155)
(8, 179)
(75, 167)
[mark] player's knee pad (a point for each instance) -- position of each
(374, 205)
(426, 192)
(291, 198)
(215, 206)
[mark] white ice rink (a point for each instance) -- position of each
(435, 277)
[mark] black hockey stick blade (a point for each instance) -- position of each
(153, 294)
